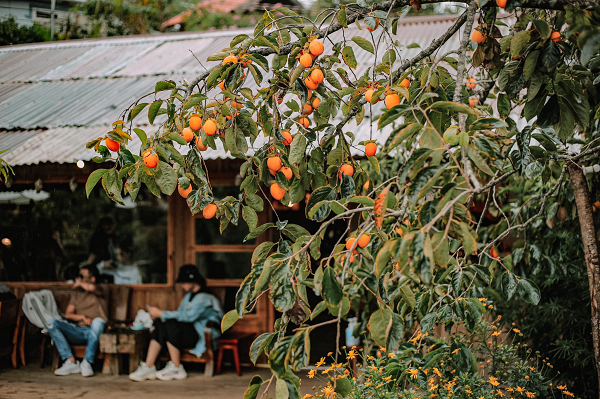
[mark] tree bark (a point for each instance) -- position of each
(590, 248)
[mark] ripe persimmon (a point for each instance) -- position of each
(471, 83)
(287, 137)
(287, 172)
(200, 145)
(307, 109)
(304, 122)
(306, 60)
(316, 102)
(112, 144)
(555, 36)
(376, 25)
(209, 211)
(501, 3)
(188, 134)
(478, 37)
(274, 163)
(195, 122)
(316, 47)
(210, 127)
(392, 100)
(371, 149)
(230, 59)
(186, 192)
(277, 191)
(363, 240)
(222, 85)
(317, 76)
(310, 83)
(473, 102)
(405, 82)
(369, 95)
(350, 243)
(346, 169)
(150, 158)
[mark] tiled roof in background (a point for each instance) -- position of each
(76, 89)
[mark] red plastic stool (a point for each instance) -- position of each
(231, 343)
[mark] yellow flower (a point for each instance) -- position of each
(330, 353)
(494, 381)
(568, 393)
(561, 387)
(509, 389)
(530, 395)
(351, 354)
(312, 373)
(321, 362)
(517, 330)
(526, 377)
(370, 357)
(389, 377)
(455, 351)
(482, 299)
(307, 396)
(532, 368)
(468, 391)
(346, 372)
(392, 355)
(496, 333)
(499, 393)
(413, 373)
(481, 397)
(519, 389)
(329, 391)
(373, 367)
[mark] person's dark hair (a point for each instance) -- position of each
(106, 221)
(126, 245)
(93, 270)
(189, 273)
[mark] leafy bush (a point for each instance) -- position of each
(489, 363)
(11, 33)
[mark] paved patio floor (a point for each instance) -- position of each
(31, 382)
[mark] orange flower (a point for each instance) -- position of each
(496, 333)
(321, 362)
(312, 373)
(351, 354)
(530, 395)
(561, 387)
(494, 381)
(517, 330)
(455, 351)
(413, 373)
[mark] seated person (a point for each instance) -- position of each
(180, 329)
(88, 310)
(124, 271)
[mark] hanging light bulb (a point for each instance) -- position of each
(80, 164)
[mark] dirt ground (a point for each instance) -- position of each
(31, 382)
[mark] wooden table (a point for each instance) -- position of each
(118, 342)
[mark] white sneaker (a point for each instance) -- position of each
(68, 367)
(86, 369)
(171, 372)
(144, 372)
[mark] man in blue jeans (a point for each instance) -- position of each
(86, 315)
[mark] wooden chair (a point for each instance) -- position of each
(9, 328)
(208, 358)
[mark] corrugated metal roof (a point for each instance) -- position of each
(75, 90)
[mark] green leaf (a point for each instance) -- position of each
(281, 390)
(509, 285)
(392, 114)
(259, 230)
(142, 135)
(153, 110)
(332, 80)
(590, 48)
(529, 291)
(519, 40)
(113, 185)
(364, 44)
(193, 100)
(379, 324)
(469, 242)
(260, 344)
(177, 138)
(428, 321)
(403, 134)
(534, 170)
(473, 153)
(164, 85)
(166, 178)
(229, 320)
(332, 290)
(384, 255)
(342, 19)
(452, 106)
(93, 179)
(135, 111)
(343, 386)
(261, 251)
(253, 388)
(250, 217)
(298, 150)
(543, 28)
(503, 105)
(349, 58)
(325, 193)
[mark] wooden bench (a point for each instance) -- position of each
(208, 357)
(118, 306)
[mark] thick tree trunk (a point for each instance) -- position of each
(590, 248)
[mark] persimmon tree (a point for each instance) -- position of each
(514, 105)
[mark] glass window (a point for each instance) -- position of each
(207, 233)
(49, 235)
(224, 265)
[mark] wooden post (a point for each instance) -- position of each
(590, 248)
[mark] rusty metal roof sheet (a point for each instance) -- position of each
(70, 92)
